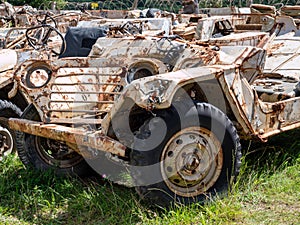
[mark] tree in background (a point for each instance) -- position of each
(39, 4)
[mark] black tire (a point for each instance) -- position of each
(46, 154)
(7, 136)
(193, 162)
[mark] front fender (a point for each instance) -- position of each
(158, 91)
(8, 61)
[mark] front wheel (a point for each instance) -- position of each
(195, 160)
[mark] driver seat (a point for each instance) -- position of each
(8, 59)
(80, 40)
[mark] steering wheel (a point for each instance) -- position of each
(38, 37)
(44, 20)
(131, 28)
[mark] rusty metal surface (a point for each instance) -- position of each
(141, 26)
(256, 115)
(97, 94)
(211, 27)
(7, 63)
(77, 136)
(177, 54)
(87, 88)
(70, 93)
(152, 70)
(290, 10)
(165, 86)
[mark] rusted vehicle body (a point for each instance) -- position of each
(170, 111)
(214, 23)
(47, 43)
(42, 46)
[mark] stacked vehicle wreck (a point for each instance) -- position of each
(170, 110)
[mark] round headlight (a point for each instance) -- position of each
(38, 76)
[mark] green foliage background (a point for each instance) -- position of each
(39, 4)
(171, 5)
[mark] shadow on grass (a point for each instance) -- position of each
(31, 197)
(28, 196)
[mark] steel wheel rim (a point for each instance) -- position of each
(191, 161)
(70, 159)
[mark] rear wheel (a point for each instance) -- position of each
(44, 154)
(7, 110)
(196, 159)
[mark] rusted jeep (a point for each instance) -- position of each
(39, 42)
(172, 112)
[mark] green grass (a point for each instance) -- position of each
(267, 192)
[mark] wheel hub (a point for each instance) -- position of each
(56, 153)
(192, 161)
